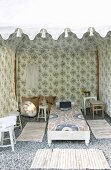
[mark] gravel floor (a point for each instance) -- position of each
(22, 157)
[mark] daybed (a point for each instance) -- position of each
(67, 125)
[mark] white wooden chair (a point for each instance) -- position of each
(17, 114)
(7, 125)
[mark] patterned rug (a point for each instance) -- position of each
(33, 131)
(66, 159)
(100, 128)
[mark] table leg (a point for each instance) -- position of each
(103, 111)
(84, 106)
(45, 115)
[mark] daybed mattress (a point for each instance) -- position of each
(70, 120)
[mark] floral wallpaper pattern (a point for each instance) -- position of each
(105, 73)
(7, 94)
(64, 67)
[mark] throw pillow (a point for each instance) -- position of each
(28, 109)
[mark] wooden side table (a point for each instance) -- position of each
(42, 112)
(84, 102)
(97, 106)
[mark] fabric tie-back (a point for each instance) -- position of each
(31, 76)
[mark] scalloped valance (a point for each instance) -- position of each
(54, 32)
(53, 16)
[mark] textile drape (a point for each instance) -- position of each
(31, 76)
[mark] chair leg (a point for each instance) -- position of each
(2, 137)
(14, 139)
(20, 121)
(11, 132)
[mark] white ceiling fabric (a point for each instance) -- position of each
(54, 15)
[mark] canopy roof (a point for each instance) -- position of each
(54, 15)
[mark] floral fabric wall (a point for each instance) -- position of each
(7, 90)
(64, 66)
(105, 73)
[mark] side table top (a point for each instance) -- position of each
(96, 102)
(43, 106)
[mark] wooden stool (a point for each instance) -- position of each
(96, 106)
(42, 112)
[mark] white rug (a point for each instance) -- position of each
(33, 131)
(100, 128)
(73, 159)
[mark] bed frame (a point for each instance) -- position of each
(68, 135)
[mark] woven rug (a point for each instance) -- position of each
(100, 128)
(33, 131)
(73, 159)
